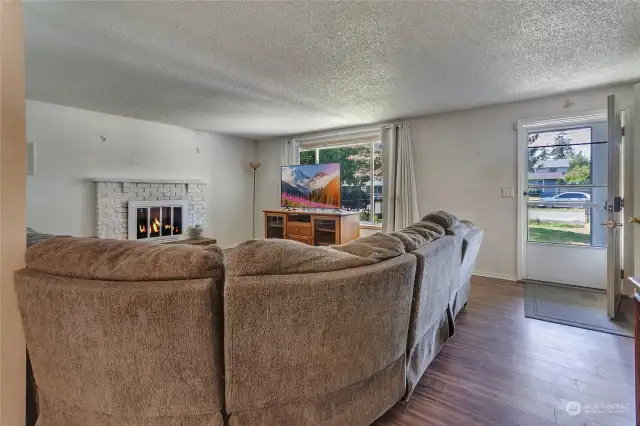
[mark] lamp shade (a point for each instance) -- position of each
(254, 164)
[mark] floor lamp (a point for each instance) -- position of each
(254, 165)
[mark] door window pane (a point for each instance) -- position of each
(560, 208)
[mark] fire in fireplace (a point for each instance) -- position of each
(155, 221)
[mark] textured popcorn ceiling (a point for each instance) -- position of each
(261, 69)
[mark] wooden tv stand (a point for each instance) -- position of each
(316, 229)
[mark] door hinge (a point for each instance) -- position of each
(622, 274)
(622, 131)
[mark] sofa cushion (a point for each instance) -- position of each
(376, 246)
(436, 229)
(419, 234)
(442, 218)
(280, 257)
(411, 239)
(427, 233)
(112, 260)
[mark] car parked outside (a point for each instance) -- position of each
(572, 199)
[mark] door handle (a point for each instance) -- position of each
(611, 224)
(634, 220)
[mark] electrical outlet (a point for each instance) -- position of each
(508, 192)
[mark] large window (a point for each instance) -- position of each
(361, 176)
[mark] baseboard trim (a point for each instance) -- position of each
(494, 275)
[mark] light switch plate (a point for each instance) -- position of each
(508, 192)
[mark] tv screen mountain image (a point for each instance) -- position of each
(312, 186)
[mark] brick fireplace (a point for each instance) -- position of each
(167, 207)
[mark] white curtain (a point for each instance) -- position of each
(399, 183)
(290, 152)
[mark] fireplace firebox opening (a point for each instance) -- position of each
(161, 220)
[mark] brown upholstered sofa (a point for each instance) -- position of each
(123, 333)
(279, 333)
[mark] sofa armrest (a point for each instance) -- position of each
(470, 249)
(297, 337)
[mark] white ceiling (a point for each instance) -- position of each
(260, 69)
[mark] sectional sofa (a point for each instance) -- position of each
(278, 333)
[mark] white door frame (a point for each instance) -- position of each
(633, 135)
(541, 124)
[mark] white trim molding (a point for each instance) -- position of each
(135, 180)
(339, 137)
(494, 275)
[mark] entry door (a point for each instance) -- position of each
(567, 173)
(614, 221)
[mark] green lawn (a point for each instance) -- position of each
(557, 233)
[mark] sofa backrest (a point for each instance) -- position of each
(124, 332)
(299, 337)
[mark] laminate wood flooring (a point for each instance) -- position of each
(503, 369)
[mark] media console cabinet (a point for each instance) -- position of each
(316, 229)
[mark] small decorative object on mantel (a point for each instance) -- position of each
(196, 231)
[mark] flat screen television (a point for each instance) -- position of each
(315, 186)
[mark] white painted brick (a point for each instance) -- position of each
(112, 203)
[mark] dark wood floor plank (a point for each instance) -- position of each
(503, 369)
(523, 364)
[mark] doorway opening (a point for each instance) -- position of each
(570, 242)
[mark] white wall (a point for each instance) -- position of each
(69, 151)
(462, 161)
(268, 180)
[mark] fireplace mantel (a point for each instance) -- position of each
(138, 180)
